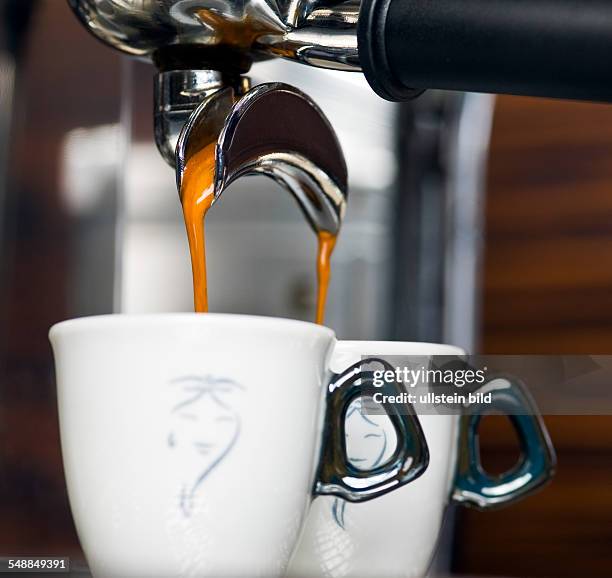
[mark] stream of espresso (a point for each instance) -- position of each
(327, 242)
(197, 195)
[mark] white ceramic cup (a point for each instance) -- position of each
(193, 444)
(396, 535)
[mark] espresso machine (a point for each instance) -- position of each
(202, 48)
(401, 47)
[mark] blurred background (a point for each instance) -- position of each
(482, 222)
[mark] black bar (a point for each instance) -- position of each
(552, 48)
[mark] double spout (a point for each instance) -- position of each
(177, 94)
(275, 130)
(202, 49)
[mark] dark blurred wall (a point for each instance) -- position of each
(65, 80)
(548, 290)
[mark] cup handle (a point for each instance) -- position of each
(336, 476)
(536, 466)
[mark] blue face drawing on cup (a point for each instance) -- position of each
(205, 427)
(369, 442)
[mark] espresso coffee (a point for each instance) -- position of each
(197, 196)
(327, 243)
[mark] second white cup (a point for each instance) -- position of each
(396, 536)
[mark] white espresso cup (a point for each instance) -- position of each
(193, 444)
(396, 535)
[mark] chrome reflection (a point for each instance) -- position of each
(315, 32)
(278, 131)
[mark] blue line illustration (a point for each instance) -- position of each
(373, 444)
(205, 429)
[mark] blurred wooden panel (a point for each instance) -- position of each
(552, 307)
(548, 290)
(67, 80)
(527, 124)
(579, 340)
(571, 434)
(560, 261)
(564, 530)
(548, 279)
(520, 212)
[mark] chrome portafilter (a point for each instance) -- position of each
(202, 50)
(202, 46)
(278, 131)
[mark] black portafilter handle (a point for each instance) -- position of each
(550, 48)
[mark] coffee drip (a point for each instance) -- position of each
(327, 243)
(197, 196)
(275, 130)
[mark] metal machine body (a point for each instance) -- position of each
(232, 32)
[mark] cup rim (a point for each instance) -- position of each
(398, 348)
(150, 320)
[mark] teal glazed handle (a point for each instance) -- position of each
(336, 476)
(473, 486)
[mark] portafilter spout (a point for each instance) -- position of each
(177, 94)
(274, 130)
